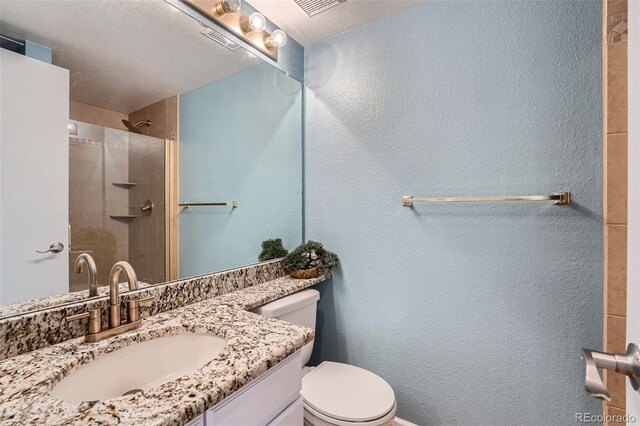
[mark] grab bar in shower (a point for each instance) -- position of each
(187, 204)
(559, 198)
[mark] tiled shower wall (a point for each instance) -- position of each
(163, 116)
(99, 209)
(144, 243)
(95, 115)
(147, 232)
(97, 157)
(615, 195)
(147, 168)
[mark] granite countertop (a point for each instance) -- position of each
(255, 344)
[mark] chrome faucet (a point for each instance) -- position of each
(628, 363)
(83, 260)
(96, 333)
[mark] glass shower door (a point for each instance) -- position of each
(116, 202)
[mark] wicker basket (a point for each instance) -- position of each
(304, 274)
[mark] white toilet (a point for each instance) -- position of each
(333, 393)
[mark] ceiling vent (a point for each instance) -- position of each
(219, 38)
(313, 7)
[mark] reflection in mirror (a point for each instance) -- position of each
(113, 175)
(140, 108)
(223, 159)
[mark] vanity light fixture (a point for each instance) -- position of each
(277, 39)
(248, 28)
(228, 6)
(255, 23)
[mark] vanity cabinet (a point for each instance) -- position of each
(292, 415)
(272, 399)
(198, 421)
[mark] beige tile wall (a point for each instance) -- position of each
(617, 413)
(148, 167)
(96, 115)
(93, 165)
(141, 241)
(147, 233)
(615, 202)
(163, 116)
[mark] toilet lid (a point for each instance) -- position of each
(346, 392)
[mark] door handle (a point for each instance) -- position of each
(627, 363)
(56, 247)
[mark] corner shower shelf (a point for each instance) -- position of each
(122, 216)
(124, 184)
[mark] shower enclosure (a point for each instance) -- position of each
(116, 202)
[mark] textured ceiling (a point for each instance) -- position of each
(344, 17)
(126, 54)
(122, 55)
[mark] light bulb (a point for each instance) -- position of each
(256, 23)
(277, 39)
(228, 6)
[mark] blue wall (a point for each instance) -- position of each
(240, 139)
(37, 51)
(27, 48)
(474, 313)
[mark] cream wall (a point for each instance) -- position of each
(95, 115)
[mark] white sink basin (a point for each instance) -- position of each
(139, 367)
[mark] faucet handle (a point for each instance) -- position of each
(133, 307)
(95, 319)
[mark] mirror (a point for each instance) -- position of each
(181, 151)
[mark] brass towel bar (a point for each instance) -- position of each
(559, 198)
(187, 204)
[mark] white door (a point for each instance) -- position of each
(633, 237)
(34, 167)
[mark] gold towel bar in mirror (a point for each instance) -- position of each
(560, 198)
(187, 204)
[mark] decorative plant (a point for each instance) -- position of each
(310, 255)
(272, 249)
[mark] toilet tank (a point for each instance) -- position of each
(298, 308)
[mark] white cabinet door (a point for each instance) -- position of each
(34, 183)
(263, 399)
(198, 421)
(292, 416)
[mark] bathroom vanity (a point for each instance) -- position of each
(273, 399)
(254, 379)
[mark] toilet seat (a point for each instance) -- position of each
(314, 418)
(343, 394)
